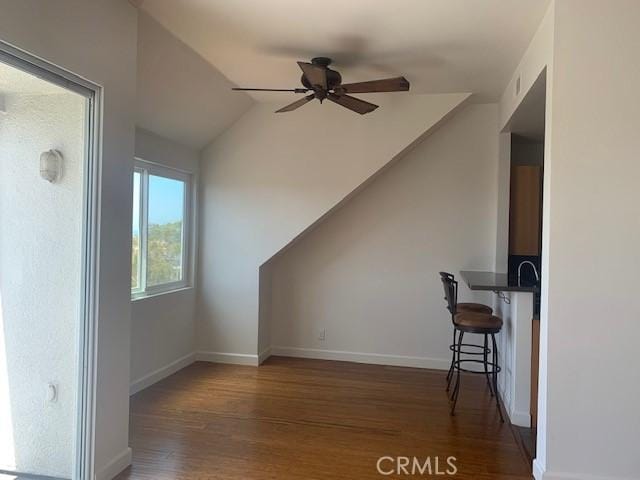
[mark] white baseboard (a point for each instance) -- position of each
(223, 357)
(163, 372)
(538, 470)
(359, 357)
(578, 476)
(516, 417)
(521, 419)
(262, 356)
(115, 466)
(539, 473)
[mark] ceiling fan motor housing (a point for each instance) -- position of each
(334, 79)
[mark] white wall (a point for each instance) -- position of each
(502, 207)
(368, 274)
(40, 290)
(180, 95)
(265, 310)
(63, 32)
(162, 326)
(538, 55)
(155, 148)
(588, 420)
(269, 177)
(592, 237)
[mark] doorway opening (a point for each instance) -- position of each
(48, 224)
(527, 150)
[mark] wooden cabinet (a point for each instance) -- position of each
(525, 220)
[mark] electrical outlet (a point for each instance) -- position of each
(322, 334)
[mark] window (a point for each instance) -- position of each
(160, 229)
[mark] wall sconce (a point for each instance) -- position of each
(51, 165)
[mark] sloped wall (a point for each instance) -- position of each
(368, 275)
(269, 177)
(181, 96)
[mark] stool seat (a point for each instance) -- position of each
(474, 307)
(477, 322)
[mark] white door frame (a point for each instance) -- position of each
(83, 468)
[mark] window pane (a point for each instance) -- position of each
(164, 237)
(135, 233)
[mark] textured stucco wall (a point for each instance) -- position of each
(40, 273)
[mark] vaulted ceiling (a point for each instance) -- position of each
(439, 45)
(181, 96)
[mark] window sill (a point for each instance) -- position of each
(146, 296)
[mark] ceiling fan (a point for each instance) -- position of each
(327, 84)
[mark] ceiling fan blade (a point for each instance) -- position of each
(316, 75)
(295, 90)
(352, 103)
(296, 104)
(396, 84)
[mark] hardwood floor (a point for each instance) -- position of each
(312, 419)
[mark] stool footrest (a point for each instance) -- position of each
(493, 368)
(454, 348)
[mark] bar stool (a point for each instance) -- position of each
(472, 322)
(466, 307)
(460, 307)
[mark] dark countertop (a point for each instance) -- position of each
(495, 282)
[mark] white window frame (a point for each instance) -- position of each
(146, 168)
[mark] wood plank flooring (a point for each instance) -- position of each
(312, 419)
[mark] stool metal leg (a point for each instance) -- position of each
(456, 389)
(457, 351)
(453, 359)
(495, 374)
(486, 365)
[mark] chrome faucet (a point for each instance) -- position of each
(535, 270)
